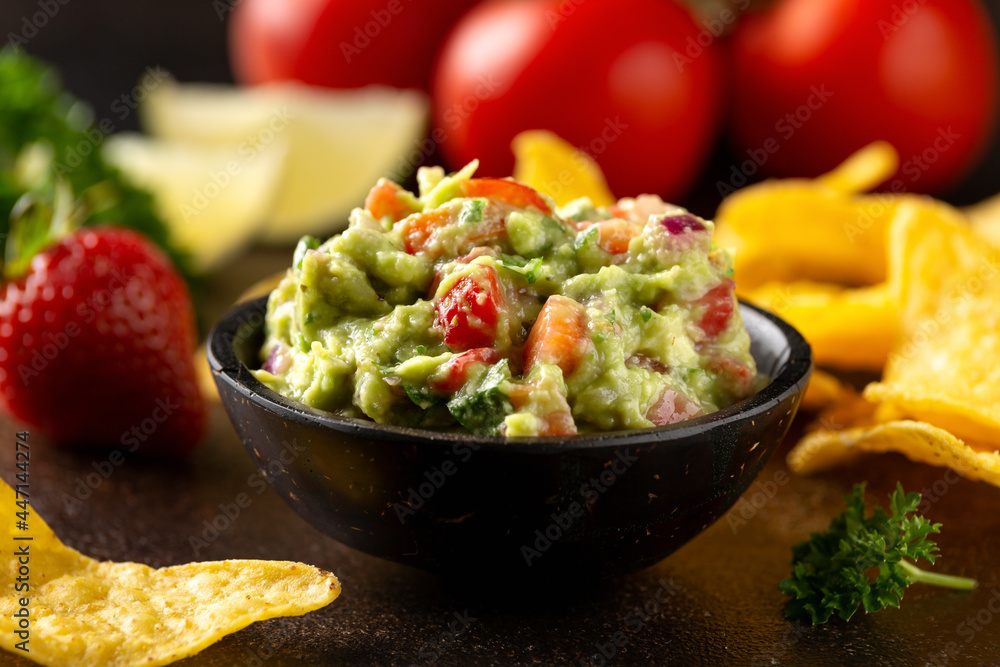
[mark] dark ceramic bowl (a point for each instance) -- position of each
(584, 506)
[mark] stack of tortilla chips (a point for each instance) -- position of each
(896, 284)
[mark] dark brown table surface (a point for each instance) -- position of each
(723, 606)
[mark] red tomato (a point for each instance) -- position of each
(506, 192)
(613, 236)
(419, 230)
(339, 43)
(385, 200)
(816, 80)
(735, 374)
(457, 368)
(469, 312)
(718, 304)
(557, 422)
(558, 336)
(625, 80)
(672, 407)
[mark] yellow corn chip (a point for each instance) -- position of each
(816, 230)
(917, 441)
(82, 612)
(557, 168)
(823, 390)
(864, 170)
(945, 369)
(850, 410)
(847, 328)
(985, 218)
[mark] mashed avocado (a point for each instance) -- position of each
(479, 306)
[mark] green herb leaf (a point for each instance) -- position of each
(482, 408)
(859, 560)
(472, 211)
(305, 244)
(527, 268)
(421, 396)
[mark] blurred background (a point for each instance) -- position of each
(745, 74)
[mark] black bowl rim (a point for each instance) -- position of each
(791, 378)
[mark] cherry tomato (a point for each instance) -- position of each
(340, 43)
(469, 312)
(718, 305)
(625, 80)
(815, 80)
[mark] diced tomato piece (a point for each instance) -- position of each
(558, 336)
(558, 422)
(735, 374)
(613, 236)
(718, 303)
(490, 227)
(385, 200)
(418, 229)
(505, 191)
(469, 312)
(672, 407)
(457, 369)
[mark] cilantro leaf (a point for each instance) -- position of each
(861, 561)
(472, 211)
(524, 267)
(482, 408)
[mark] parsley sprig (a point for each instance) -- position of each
(864, 561)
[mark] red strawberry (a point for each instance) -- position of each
(96, 344)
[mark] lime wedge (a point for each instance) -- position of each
(339, 142)
(214, 199)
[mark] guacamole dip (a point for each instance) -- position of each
(479, 306)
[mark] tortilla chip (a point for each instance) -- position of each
(555, 167)
(815, 230)
(84, 612)
(985, 218)
(944, 370)
(917, 441)
(824, 390)
(850, 410)
(864, 170)
(852, 329)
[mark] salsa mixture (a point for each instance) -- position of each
(479, 306)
